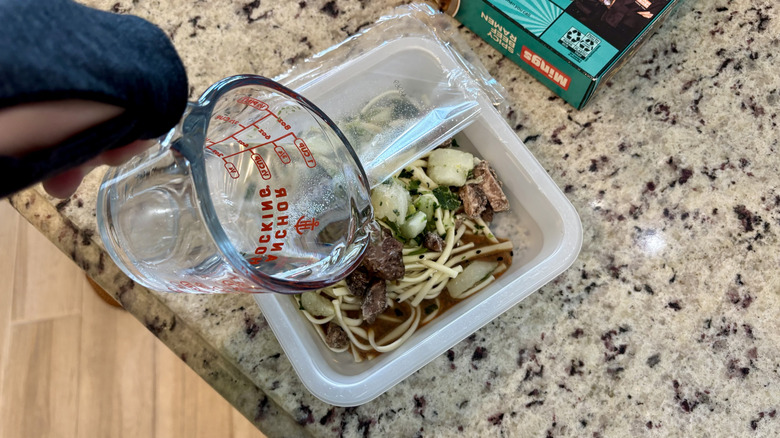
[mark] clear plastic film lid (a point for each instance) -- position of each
(397, 89)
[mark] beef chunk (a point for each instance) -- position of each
(487, 214)
(433, 242)
(446, 144)
(384, 256)
(358, 281)
(474, 200)
(375, 301)
(335, 336)
(491, 186)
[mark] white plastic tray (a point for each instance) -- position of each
(546, 232)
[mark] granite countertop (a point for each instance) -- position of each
(665, 325)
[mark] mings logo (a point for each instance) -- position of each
(540, 65)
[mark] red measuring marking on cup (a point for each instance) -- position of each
(279, 150)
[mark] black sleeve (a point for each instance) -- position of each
(58, 49)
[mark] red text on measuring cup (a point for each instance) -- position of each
(254, 103)
(231, 168)
(273, 224)
(282, 154)
(305, 152)
(261, 166)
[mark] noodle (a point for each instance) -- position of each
(433, 312)
(425, 181)
(420, 278)
(421, 295)
(481, 252)
(438, 220)
(446, 270)
(340, 292)
(315, 320)
(397, 343)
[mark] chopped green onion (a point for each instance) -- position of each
(447, 199)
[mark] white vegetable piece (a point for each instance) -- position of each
(471, 275)
(450, 167)
(391, 201)
(426, 203)
(316, 304)
(414, 225)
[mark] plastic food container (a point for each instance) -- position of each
(542, 224)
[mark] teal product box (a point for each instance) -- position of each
(571, 46)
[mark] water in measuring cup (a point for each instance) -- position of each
(286, 191)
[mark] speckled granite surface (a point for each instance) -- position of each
(666, 325)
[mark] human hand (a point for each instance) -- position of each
(65, 184)
(42, 125)
(646, 14)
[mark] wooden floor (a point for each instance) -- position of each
(73, 366)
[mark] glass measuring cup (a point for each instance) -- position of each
(255, 190)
